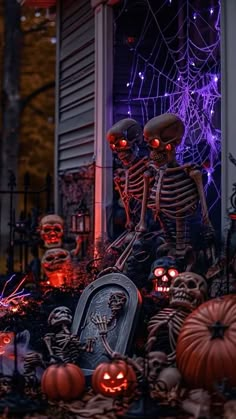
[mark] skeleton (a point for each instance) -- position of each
(105, 324)
(171, 191)
(51, 229)
(124, 139)
(57, 266)
(187, 291)
(62, 344)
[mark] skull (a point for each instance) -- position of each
(60, 316)
(156, 362)
(163, 133)
(56, 261)
(188, 290)
(116, 302)
(52, 230)
(124, 138)
(163, 270)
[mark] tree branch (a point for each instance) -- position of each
(25, 101)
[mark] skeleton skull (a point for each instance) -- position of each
(124, 138)
(56, 264)
(163, 133)
(156, 362)
(52, 230)
(163, 270)
(60, 316)
(188, 290)
(117, 301)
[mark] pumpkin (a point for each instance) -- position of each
(206, 346)
(114, 378)
(63, 382)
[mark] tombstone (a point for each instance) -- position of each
(116, 297)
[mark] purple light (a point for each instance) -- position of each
(216, 78)
(127, 84)
(211, 11)
(195, 16)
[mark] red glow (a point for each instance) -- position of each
(168, 147)
(155, 143)
(165, 278)
(122, 143)
(173, 272)
(159, 271)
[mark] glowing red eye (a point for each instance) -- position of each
(168, 147)
(6, 340)
(159, 271)
(112, 146)
(123, 143)
(155, 143)
(173, 272)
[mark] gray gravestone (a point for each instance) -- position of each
(112, 293)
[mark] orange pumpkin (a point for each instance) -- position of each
(206, 346)
(63, 382)
(114, 378)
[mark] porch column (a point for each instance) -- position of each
(103, 114)
(228, 106)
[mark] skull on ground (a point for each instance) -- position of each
(156, 362)
(188, 290)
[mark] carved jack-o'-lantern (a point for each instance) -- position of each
(51, 230)
(113, 379)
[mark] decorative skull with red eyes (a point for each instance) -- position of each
(163, 134)
(124, 137)
(188, 290)
(163, 270)
(56, 264)
(52, 230)
(6, 338)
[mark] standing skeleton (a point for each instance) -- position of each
(171, 191)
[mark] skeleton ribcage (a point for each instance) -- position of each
(173, 194)
(32, 360)
(163, 331)
(131, 181)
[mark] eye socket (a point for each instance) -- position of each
(120, 375)
(122, 143)
(49, 258)
(46, 229)
(168, 147)
(112, 146)
(106, 376)
(155, 143)
(191, 284)
(158, 271)
(57, 229)
(6, 340)
(63, 256)
(173, 272)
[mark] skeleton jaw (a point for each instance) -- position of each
(184, 299)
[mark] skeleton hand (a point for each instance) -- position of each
(100, 322)
(89, 345)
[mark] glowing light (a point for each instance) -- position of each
(37, 14)
(211, 11)
(195, 16)
(11, 301)
(127, 84)
(216, 78)
(163, 289)
(53, 40)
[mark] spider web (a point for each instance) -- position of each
(174, 66)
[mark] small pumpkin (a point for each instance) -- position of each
(205, 352)
(63, 382)
(114, 378)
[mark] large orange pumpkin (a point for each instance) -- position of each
(44, 4)
(63, 382)
(206, 346)
(114, 378)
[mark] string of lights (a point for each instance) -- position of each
(175, 67)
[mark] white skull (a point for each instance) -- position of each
(58, 260)
(60, 315)
(188, 290)
(157, 360)
(52, 230)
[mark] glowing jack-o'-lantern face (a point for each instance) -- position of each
(6, 338)
(113, 379)
(163, 270)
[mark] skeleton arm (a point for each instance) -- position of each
(196, 175)
(125, 200)
(141, 227)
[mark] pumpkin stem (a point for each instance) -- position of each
(217, 330)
